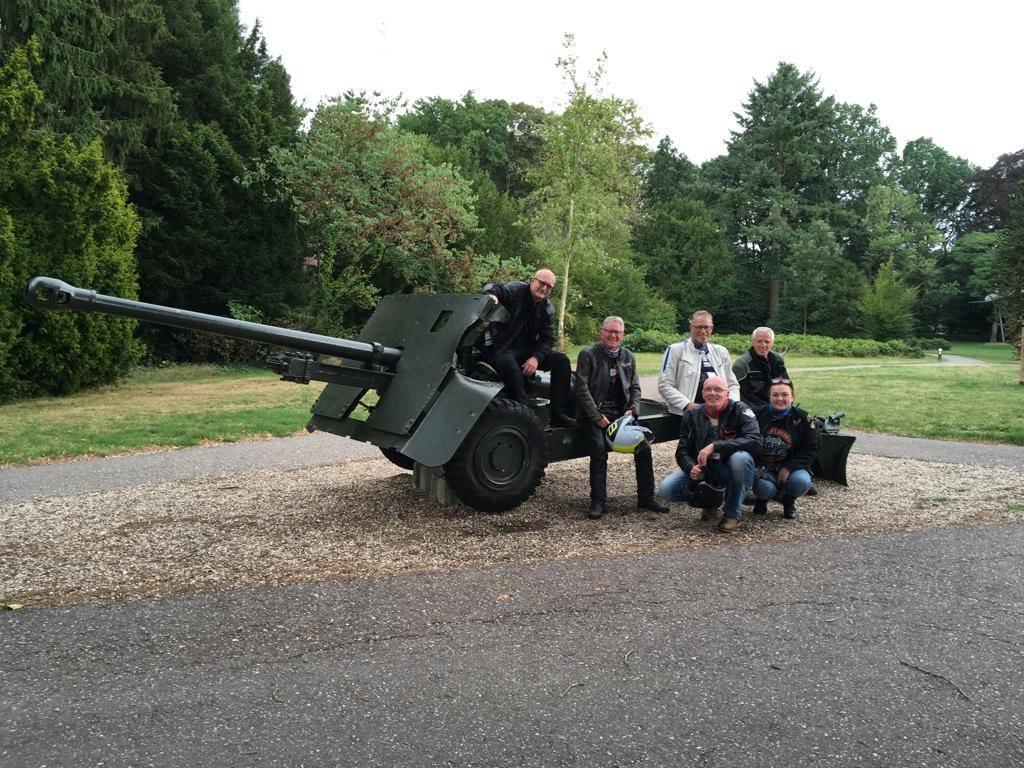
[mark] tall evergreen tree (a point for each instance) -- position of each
(63, 211)
(96, 68)
(209, 237)
(775, 171)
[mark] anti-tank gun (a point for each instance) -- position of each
(436, 412)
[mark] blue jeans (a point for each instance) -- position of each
(736, 475)
(767, 484)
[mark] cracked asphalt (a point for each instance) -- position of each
(874, 650)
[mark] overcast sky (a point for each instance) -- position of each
(950, 71)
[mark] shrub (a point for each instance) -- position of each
(788, 344)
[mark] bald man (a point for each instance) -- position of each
(523, 345)
(718, 442)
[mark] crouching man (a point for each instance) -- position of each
(789, 445)
(718, 443)
(608, 387)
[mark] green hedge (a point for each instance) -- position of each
(790, 344)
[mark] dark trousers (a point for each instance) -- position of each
(642, 461)
(509, 364)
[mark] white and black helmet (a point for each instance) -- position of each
(624, 435)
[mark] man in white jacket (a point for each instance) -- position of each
(688, 363)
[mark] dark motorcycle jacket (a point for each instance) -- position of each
(737, 431)
(789, 441)
(527, 316)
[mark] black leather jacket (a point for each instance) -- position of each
(525, 311)
(739, 433)
(592, 380)
(754, 374)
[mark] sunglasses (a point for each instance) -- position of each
(780, 380)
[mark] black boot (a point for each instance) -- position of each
(760, 507)
(562, 420)
(596, 511)
(789, 507)
(653, 505)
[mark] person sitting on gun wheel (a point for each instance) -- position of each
(523, 345)
(789, 443)
(608, 388)
(721, 428)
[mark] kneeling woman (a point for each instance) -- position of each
(789, 443)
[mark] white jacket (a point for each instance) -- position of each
(680, 373)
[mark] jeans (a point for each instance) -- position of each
(736, 474)
(767, 484)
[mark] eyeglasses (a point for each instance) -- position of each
(612, 333)
(780, 380)
(702, 327)
(543, 285)
(714, 390)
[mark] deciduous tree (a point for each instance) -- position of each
(585, 188)
(378, 216)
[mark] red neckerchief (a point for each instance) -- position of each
(712, 413)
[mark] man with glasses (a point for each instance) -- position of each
(688, 364)
(757, 366)
(523, 345)
(718, 442)
(608, 387)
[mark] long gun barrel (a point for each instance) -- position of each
(50, 293)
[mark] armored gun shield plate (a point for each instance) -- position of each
(428, 329)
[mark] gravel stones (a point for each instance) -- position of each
(362, 517)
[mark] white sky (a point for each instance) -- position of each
(950, 71)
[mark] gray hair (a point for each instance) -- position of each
(701, 313)
(763, 329)
(613, 319)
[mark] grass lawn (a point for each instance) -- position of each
(990, 353)
(155, 407)
(984, 403)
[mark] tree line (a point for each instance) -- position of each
(154, 150)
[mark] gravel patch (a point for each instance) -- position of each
(361, 518)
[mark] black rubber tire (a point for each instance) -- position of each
(398, 459)
(502, 460)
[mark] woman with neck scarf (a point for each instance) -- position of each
(789, 443)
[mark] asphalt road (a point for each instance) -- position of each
(877, 650)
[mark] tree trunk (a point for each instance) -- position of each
(565, 277)
(773, 300)
(1020, 380)
(994, 335)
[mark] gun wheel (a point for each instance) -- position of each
(502, 460)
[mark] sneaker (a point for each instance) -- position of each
(728, 524)
(653, 505)
(760, 507)
(709, 515)
(789, 508)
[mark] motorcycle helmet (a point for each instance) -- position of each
(624, 435)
